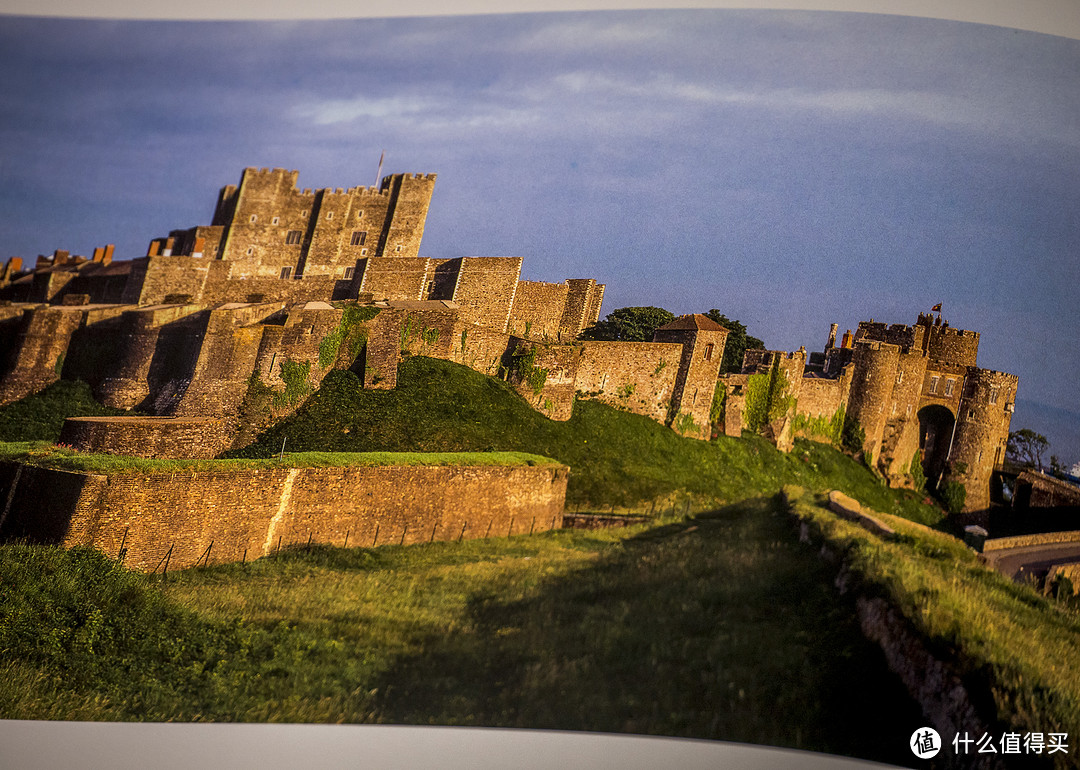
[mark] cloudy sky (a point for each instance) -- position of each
(792, 169)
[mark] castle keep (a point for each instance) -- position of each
(286, 284)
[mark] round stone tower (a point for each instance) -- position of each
(873, 377)
(982, 432)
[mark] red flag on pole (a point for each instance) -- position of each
(936, 308)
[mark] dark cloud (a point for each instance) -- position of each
(792, 169)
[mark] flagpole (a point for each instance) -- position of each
(378, 174)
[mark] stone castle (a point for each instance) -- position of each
(286, 284)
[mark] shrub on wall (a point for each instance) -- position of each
(953, 495)
(853, 436)
(916, 470)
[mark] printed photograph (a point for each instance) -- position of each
(701, 374)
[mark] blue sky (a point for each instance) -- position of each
(792, 169)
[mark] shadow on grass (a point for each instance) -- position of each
(720, 627)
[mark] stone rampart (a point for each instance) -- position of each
(638, 377)
(187, 517)
(178, 437)
(538, 309)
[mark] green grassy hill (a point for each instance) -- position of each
(616, 458)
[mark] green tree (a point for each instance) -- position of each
(629, 324)
(738, 342)
(1026, 448)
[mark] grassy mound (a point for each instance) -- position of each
(39, 417)
(1018, 652)
(62, 458)
(616, 458)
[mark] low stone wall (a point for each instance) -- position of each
(162, 437)
(1021, 541)
(183, 518)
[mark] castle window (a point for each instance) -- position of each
(993, 395)
(285, 272)
(363, 252)
(330, 215)
(934, 383)
(360, 214)
(359, 237)
(275, 220)
(949, 386)
(304, 213)
(971, 414)
(708, 352)
(430, 286)
(253, 218)
(292, 237)
(899, 376)
(348, 273)
(250, 250)
(398, 248)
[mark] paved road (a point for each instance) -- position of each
(1032, 559)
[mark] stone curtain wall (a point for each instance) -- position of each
(820, 397)
(485, 290)
(400, 278)
(538, 309)
(40, 346)
(636, 376)
(254, 512)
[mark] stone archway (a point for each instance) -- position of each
(935, 434)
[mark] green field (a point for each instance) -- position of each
(721, 627)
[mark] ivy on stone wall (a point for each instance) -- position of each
(767, 398)
(406, 333)
(347, 331)
(829, 428)
(525, 369)
(295, 376)
(719, 401)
